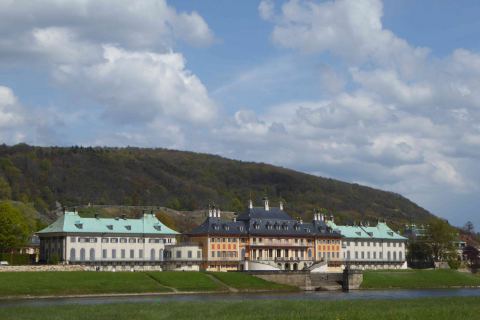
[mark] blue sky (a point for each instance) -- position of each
(379, 93)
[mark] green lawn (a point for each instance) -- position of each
(70, 283)
(245, 282)
(428, 309)
(186, 281)
(417, 279)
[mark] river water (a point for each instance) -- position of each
(321, 296)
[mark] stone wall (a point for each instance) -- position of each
(36, 268)
(304, 280)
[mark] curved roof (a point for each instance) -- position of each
(74, 223)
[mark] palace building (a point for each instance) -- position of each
(266, 238)
(107, 243)
(371, 247)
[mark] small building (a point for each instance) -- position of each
(366, 247)
(106, 243)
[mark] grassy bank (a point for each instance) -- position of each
(434, 309)
(76, 283)
(245, 282)
(418, 279)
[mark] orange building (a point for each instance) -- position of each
(266, 238)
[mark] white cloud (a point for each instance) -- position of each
(266, 9)
(140, 86)
(34, 27)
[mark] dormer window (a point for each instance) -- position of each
(390, 233)
(110, 226)
(296, 227)
(215, 227)
(226, 227)
(79, 225)
(128, 227)
(358, 233)
(158, 227)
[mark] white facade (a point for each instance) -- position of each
(374, 253)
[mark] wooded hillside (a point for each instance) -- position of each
(183, 181)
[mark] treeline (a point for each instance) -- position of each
(50, 176)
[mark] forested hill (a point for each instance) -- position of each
(183, 181)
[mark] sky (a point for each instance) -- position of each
(380, 93)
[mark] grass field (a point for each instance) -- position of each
(245, 282)
(186, 281)
(70, 283)
(418, 279)
(429, 309)
(76, 283)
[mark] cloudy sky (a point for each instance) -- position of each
(384, 94)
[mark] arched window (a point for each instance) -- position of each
(388, 256)
(152, 254)
(92, 254)
(394, 255)
(82, 254)
(309, 253)
(400, 256)
(160, 254)
(72, 254)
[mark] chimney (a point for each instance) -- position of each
(281, 205)
(265, 202)
(250, 204)
(210, 211)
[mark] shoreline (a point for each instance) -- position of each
(226, 292)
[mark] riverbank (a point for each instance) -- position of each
(424, 308)
(418, 279)
(38, 284)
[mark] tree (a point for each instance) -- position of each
(14, 227)
(440, 237)
(469, 227)
(5, 190)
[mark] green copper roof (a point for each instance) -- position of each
(381, 231)
(72, 222)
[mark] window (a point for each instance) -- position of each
(73, 239)
(92, 254)
(122, 253)
(368, 255)
(363, 255)
(123, 240)
(212, 240)
(199, 254)
(72, 254)
(152, 254)
(356, 254)
(190, 254)
(218, 254)
(388, 255)
(394, 244)
(114, 240)
(140, 254)
(348, 255)
(380, 255)
(388, 244)
(374, 255)
(114, 253)
(178, 254)
(132, 240)
(394, 255)
(400, 256)
(213, 254)
(132, 253)
(104, 253)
